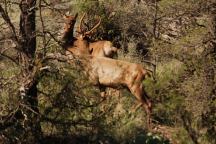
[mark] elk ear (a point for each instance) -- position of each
(90, 50)
(67, 13)
(65, 16)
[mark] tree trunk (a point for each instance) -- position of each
(29, 81)
(27, 26)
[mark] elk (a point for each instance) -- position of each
(107, 72)
(118, 74)
(81, 43)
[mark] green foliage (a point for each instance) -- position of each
(67, 99)
(9, 86)
(178, 36)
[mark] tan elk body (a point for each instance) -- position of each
(108, 72)
(117, 74)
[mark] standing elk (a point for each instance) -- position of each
(118, 74)
(108, 72)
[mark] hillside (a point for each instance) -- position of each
(47, 99)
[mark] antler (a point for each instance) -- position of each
(81, 21)
(97, 25)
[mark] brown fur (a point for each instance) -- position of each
(109, 72)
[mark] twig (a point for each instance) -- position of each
(55, 39)
(29, 108)
(9, 23)
(6, 56)
(49, 6)
(43, 28)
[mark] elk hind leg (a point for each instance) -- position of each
(102, 91)
(137, 106)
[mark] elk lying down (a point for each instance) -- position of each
(102, 48)
(118, 74)
(81, 45)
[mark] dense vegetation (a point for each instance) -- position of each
(174, 38)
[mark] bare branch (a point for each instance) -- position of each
(9, 23)
(50, 7)
(59, 57)
(10, 58)
(43, 28)
(54, 38)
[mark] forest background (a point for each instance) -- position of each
(47, 100)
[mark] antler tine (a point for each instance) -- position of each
(97, 25)
(81, 21)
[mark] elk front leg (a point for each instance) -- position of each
(138, 92)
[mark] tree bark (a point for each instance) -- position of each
(29, 81)
(27, 26)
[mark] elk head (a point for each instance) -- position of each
(68, 27)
